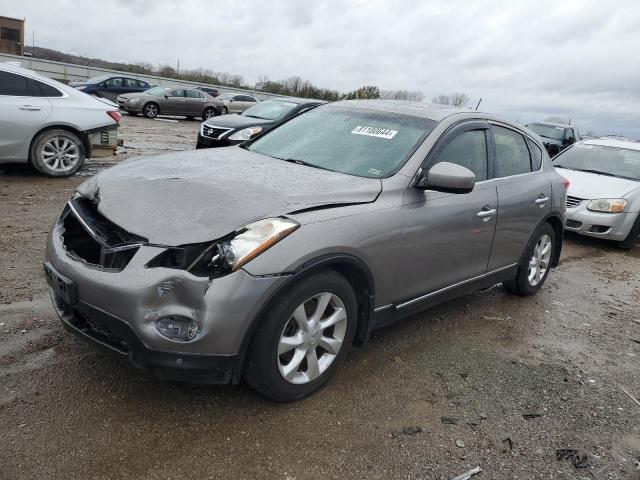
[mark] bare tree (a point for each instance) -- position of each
(402, 95)
(455, 99)
(555, 119)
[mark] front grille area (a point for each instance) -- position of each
(573, 202)
(214, 132)
(89, 236)
(573, 224)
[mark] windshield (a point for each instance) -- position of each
(156, 91)
(358, 142)
(270, 109)
(226, 96)
(99, 79)
(619, 162)
(548, 131)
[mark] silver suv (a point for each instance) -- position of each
(50, 125)
(268, 261)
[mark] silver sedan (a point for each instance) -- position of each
(604, 195)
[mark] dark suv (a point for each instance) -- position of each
(555, 136)
(110, 86)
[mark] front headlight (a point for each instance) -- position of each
(81, 87)
(254, 239)
(134, 100)
(245, 133)
(214, 259)
(610, 205)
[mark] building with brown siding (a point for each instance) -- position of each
(11, 36)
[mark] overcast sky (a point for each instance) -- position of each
(528, 60)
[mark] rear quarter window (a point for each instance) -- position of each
(536, 156)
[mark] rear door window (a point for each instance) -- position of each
(468, 149)
(194, 94)
(13, 85)
(130, 83)
(512, 154)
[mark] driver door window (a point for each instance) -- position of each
(468, 149)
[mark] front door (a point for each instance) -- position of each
(447, 237)
(524, 196)
(174, 102)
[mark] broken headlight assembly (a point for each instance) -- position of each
(215, 259)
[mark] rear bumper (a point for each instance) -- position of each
(610, 226)
(103, 141)
(114, 336)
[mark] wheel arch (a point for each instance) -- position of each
(354, 270)
(557, 224)
(84, 138)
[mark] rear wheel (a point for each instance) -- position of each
(224, 111)
(150, 110)
(208, 113)
(57, 153)
(631, 240)
(303, 338)
(535, 262)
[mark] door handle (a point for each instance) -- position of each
(541, 201)
(30, 108)
(486, 213)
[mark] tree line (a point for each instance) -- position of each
(293, 86)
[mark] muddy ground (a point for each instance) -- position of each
(487, 380)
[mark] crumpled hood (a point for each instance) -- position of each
(198, 196)
(591, 185)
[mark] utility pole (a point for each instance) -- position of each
(178, 69)
(33, 43)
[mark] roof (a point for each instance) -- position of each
(552, 124)
(11, 18)
(612, 142)
(431, 111)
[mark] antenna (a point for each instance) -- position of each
(479, 102)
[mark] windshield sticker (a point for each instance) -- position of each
(374, 132)
(374, 171)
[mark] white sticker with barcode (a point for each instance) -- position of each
(374, 132)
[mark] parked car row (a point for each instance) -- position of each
(50, 125)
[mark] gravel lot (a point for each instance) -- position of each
(487, 380)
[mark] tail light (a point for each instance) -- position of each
(115, 115)
(565, 183)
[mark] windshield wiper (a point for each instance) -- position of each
(306, 164)
(599, 172)
(253, 116)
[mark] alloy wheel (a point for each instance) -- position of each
(60, 154)
(312, 338)
(209, 112)
(539, 263)
(151, 110)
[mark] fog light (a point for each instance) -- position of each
(178, 328)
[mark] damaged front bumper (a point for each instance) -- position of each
(119, 309)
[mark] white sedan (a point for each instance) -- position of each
(603, 199)
(50, 125)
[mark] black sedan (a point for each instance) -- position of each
(110, 86)
(227, 130)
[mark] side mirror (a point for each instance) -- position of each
(166, 95)
(447, 177)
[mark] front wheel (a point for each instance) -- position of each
(57, 153)
(535, 263)
(208, 113)
(303, 338)
(631, 240)
(150, 110)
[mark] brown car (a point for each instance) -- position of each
(171, 101)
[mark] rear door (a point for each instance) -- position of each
(23, 108)
(524, 195)
(447, 237)
(195, 103)
(130, 85)
(112, 88)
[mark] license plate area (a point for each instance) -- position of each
(64, 288)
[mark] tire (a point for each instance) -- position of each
(133, 114)
(266, 370)
(533, 264)
(151, 110)
(224, 111)
(190, 118)
(57, 153)
(631, 240)
(208, 113)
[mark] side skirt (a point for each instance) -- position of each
(392, 313)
